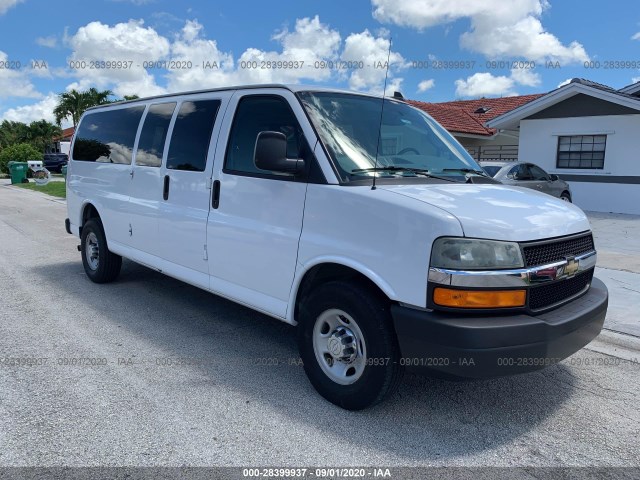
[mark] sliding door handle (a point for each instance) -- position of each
(215, 199)
(165, 189)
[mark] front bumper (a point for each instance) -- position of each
(478, 346)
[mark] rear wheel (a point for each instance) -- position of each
(100, 265)
(566, 197)
(348, 345)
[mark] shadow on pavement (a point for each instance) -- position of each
(427, 418)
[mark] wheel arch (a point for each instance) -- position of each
(328, 269)
(87, 212)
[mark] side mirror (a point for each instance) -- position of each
(271, 154)
(554, 178)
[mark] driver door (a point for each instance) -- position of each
(541, 179)
(256, 217)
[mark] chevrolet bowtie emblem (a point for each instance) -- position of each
(572, 267)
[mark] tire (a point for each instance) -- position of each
(361, 372)
(100, 265)
(566, 197)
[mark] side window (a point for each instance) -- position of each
(153, 135)
(108, 136)
(191, 135)
(520, 172)
(256, 114)
(537, 173)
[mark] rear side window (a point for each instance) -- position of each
(191, 135)
(108, 136)
(154, 134)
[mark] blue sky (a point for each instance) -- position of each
(466, 48)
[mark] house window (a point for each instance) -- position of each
(581, 151)
(389, 146)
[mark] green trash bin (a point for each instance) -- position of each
(18, 171)
(63, 170)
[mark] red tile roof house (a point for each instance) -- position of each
(62, 143)
(465, 119)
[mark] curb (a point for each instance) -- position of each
(616, 344)
(46, 196)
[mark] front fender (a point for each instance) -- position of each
(302, 270)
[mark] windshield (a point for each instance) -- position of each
(411, 143)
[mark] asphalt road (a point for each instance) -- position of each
(176, 376)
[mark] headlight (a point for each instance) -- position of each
(474, 254)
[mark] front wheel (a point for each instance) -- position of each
(100, 265)
(348, 345)
(565, 197)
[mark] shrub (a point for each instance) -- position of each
(20, 152)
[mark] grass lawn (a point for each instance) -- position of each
(57, 189)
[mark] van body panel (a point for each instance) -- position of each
(145, 195)
(386, 236)
(106, 187)
(500, 212)
(182, 224)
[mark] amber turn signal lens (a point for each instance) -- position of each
(447, 297)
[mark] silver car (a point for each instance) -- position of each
(528, 175)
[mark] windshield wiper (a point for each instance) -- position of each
(466, 170)
(416, 171)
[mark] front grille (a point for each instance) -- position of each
(555, 251)
(553, 293)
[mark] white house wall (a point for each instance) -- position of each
(539, 145)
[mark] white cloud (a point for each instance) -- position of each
(15, 82)
(7, 4)
(127, 42)
(566, 82)
(498, 29)
(36, 111)
(636, 36)
(49, 42)
(485, 84)
(526, 77)
(635, 80)
(311, 41)
(425, 85)
(372, 52)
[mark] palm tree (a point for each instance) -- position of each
(94, 97)
(70, 104)
(73, 103)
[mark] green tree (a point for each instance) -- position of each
(41, 134)
(12, 133)
(20, 152)
(73, 103)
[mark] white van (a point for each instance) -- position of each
(358, 219)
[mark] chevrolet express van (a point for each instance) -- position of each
(358, 219)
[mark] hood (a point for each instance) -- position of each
(500, 212)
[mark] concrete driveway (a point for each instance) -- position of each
(150, 371)
(617, 239)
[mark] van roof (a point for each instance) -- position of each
(292, 88)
